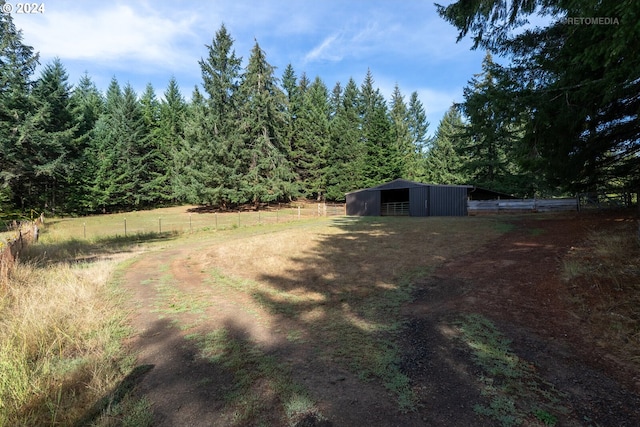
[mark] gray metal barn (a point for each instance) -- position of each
(407, 198)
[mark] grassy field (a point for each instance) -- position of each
(62, 321)
(334, 285)
(174, 220)
(340, 286)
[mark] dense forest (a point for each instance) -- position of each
(249, 136)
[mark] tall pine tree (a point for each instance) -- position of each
(346, 156)
(212, 142)
(171, 135)
(268, 174)
(310, 146)
(443, 163)
(17, 65)
(383, 161)
(51, 140)
(87, 105)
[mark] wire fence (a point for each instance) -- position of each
(19, 234)
(176, 220)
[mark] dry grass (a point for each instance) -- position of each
(177, 220)
(340, 283)
(60, 329)
(61, 325)
(604, 277)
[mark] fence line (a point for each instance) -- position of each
(521, 205)
(23, 234)
(603, 200)
(194, 220)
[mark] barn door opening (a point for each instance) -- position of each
(394, 202)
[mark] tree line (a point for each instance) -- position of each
(247, 135)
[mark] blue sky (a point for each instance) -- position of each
(140, 42)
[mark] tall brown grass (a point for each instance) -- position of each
(60, 333)
(603, 274)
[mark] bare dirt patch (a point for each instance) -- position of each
(285, 311)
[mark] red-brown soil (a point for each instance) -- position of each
(514, 281)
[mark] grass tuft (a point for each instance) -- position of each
(514, 391)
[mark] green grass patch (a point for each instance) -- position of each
(259, 382)
(515, 393)
(504, 227)
(537, 231)
(172, 300)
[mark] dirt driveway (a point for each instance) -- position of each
(512, 283)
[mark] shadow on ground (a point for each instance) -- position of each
(343, 338)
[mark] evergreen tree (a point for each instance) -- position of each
(491, 137)
(51, 140)
(102, 150)
(193, 156)
(267, 175)
(123, 153)
(443, 163)
(573, 88)
(87, 105)
(383, 162)
(212, 139)
(293, 106)
(407, 151)
(418, 128)
(17, 65)
(133, 171)
(310, 145)
(346, 155)
(156, 189)
(171, 135)
(220, 76)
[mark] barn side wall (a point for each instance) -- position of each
(447, 201)
(418, 201)
(363, 203)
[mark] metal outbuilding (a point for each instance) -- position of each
(408, 198)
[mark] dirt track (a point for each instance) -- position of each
(513, 281)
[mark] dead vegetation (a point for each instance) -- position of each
(603, 275)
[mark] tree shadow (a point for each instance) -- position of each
(213, 378)
(89, 251)
(344, 299)
(122, 391)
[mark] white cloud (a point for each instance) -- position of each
(327, 50)
(118, 32)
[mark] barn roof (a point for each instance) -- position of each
(398, 184)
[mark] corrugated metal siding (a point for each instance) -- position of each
(363, 203)
(447, 201)
(424, 199)
(418, 200)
